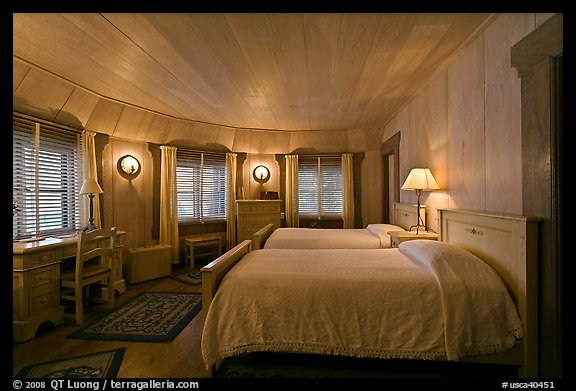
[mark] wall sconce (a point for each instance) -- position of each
(129, 166)
(261, 174)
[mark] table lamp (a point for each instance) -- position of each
(420, 179)
(90, 187)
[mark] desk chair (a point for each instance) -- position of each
(95, 262)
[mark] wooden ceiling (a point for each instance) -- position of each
(254, 71)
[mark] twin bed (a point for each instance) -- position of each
(469, 297)
(373, 236)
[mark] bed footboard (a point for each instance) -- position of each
(259, 237)
(214, 272)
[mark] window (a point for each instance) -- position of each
(46, 178)
(201, 186)
(320, 186)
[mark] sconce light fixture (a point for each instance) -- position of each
(129, 165)
(261, 174)
(420, 179)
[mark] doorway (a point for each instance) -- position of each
(390, 151)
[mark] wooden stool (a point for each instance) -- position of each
(213, 243)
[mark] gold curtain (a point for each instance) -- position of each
(231, 164)
(168, 201)
(348, 189)
(292, 215)
(89, 171)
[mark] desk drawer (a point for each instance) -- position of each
(41, 276)
(40, 258)
(42, 299)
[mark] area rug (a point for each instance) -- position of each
(94, 365)
(147, 317)
(190, 278)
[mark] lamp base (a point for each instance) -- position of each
(418, 226)
(89, 227)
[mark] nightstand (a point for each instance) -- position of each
(397, 237)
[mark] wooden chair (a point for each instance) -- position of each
(95, 264)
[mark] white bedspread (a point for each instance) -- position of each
(310, 238)
(361, 303)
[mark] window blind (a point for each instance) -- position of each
(201, 185)
(320, 186)
(46, 176)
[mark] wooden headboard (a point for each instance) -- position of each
(405, 215)
(508, 243)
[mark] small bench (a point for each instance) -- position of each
(202, 245)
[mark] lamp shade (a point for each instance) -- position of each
(90, 186)
(420, 179)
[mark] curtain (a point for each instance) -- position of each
(231, 163)
(348, 190)
(89, 171)
(168, 200)
(292, 216)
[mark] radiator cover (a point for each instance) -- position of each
(148, 263)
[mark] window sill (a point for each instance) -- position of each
(189, 222)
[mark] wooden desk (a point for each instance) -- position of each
(36, 282)
(212, 241)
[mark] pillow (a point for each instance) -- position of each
(381, 231)
(477, 309)
(431, 253)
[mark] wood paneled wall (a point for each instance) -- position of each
(465, 125)
(127, 203)
(252, 188)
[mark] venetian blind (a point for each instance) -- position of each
(46, 176)
(320, 186)
(201, 185)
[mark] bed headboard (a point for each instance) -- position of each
(508, 243)
(404, 214)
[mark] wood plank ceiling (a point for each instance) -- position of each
(253, 71)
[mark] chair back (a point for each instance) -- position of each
(97, 247)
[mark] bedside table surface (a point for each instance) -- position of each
(412, 234)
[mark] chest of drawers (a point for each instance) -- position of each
(251, 215)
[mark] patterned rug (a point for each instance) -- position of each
(94, 365)
(147, 317)
(190, 278)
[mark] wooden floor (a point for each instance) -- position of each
(180, 358)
